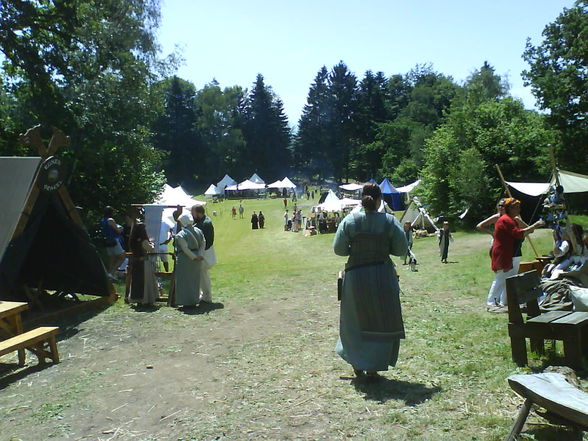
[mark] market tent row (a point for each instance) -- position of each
(43, 242)
(284, 183)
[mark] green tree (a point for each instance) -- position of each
(312, 140)
(343, 128)
(86, 67)
(460, 156)
(484, 84)
(558, 77)
(218, 123)
(174, 132)
(266, 132)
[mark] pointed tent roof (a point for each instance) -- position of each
(224, 182)
(287, 183)
(408, 188)
(255, 178)
(43, 241)
(211, 191)
(331, 202)
(387, 187)
(277, 184)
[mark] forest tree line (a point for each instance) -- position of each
(94, 70)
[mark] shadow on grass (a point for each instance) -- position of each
(145, 308)
(384, 389)
(203, 308)
(550, 433)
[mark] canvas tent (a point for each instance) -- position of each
(255, 178)
(212, 191)
(418, 216)
(408, 188)
(391, 195)
(287, 183)
(532, 193)
(226, 181)
(246, 185)
(278, 184)
(351, 187)
(43, 242)
(331, 202)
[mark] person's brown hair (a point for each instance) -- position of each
(198, 209)
(371, 192)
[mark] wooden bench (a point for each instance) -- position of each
(567, 326)
(551, 391)
(40, 341)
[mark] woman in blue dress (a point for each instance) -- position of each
(371, 323)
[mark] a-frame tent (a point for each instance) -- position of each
(418, 217)
(44, 245)
(390, 195)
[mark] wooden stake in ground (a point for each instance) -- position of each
(510, 196)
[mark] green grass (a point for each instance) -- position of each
(269, 370)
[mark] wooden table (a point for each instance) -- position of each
(11, 323)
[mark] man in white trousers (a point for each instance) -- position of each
(204, 223)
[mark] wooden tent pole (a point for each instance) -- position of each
(510, 196)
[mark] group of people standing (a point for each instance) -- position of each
(194, 249)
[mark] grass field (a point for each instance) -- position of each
(261, 365)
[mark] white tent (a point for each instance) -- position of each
(287, 183)
(351, 187)
(570, 181)
(277, 184)
(246, 185)
(212, 191)
(177, 196)
(418, 217)
(225, 182)
(331, 202)
(408, 188)
(255, 178)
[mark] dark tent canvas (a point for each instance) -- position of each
(47, 247)
(391, 196)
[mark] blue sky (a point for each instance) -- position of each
(288, 41)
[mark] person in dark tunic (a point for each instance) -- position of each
(254, 221)
(371, 325)
(444, 238)
(261, 219)
(143, 287)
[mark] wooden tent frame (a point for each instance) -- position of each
(32, 137)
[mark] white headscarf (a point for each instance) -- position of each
(186, 220)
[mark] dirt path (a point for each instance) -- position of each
(166, 374)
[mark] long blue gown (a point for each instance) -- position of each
(371, 325)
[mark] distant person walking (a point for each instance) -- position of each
(254, 221)
(241, 211)
(407, 227)
(444, 238)
(286, 219)
(234, 213)
(285, 202)
(261, 219)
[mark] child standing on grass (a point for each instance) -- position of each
(409, 239)
(444, 238)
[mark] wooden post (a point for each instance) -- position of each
(510, 196)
